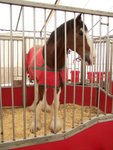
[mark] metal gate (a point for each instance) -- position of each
(86, 97)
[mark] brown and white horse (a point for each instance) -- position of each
(81, 31)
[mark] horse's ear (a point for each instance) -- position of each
(78, 19)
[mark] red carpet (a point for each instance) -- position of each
(97, 137)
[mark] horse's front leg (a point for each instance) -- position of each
(44, 102)
(32, 107)
(36, 123)
(45, 106)
(55, 124)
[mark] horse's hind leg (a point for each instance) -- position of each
(36, 123)
(55, 124)
(32, 107)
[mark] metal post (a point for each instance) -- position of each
(23, 75)
(35, 81)
(45, 73)
(99, 69)
(1, 107)
(83, 75)
(12, 73)
(8, 62)
(17, 61)
(74, 88)
(4, 69)
(107, 65)
(111, 70)
(91, 92)
(65, 33)
(55, 89)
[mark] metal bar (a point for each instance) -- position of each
(83, 72)
(58, 7)
(19, 38)
(95, 45)
(4, 62)
(106, 24)
(45, 79)
(91, 92)
(108, 94)
(74, 87)
(98, 54)
(65, 46)
(23, 76)
(103, 38)
(12, 73)
(1, 107)
(35, 81)
(99, 69)
(8, 61)
(92, 27)
(111, 69)
(103, 68)
(21, 57)
(17, 60)
(26, 31)
(18, 18)
(107, 65)
(14, 58)
(55, 89)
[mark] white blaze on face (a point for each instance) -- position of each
(92, 49)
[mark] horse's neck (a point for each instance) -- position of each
(50, 49)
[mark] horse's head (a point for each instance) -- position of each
(83, 41)
(86, 43)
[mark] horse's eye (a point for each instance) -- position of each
(81, 33)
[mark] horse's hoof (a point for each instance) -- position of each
(58, 126)
(47, 109)
(31, 108)
(32, 127)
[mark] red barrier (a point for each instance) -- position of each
(18, 100)
(97, 76)
(77, 76)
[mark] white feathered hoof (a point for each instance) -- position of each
(47, 109)
(31, 108)
(58, 126)
(32, 127)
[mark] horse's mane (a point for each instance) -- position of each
(61, 29)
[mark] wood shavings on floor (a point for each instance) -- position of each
(20, 123)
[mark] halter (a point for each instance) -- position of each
(78, 59)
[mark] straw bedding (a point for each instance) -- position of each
(19, 120)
